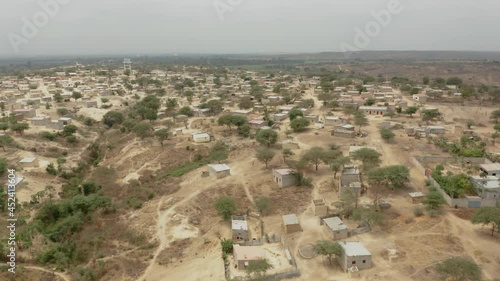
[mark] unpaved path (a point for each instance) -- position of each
(58, 274)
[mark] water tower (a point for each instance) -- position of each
(127, 64)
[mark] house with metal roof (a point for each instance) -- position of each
(354, 255)
(219, 170)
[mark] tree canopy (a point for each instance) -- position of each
(369, 157)
(267, 137)
(393, 177)
(265, 155)
(328, 248)
(460, 269)
(225, 207)
(299, 124)
(487, 216)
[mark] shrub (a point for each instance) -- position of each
(51, 169)
(418, 211)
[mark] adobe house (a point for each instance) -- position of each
(354, 254)
(219, 170)
(91, 103)
(239, 227)
(284, 177)
(291, 224)
(244, 255)
(374, 110)
(320, 207)
(336, 228)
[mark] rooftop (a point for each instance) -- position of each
(283, 172)
(219, 167)
(491, 167)
(372, 108)
(335, 223)
(416, 194)
(290, 219)
(28, 160)
(354, 249)
(239, 225)
(248, 252)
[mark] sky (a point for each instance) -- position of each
(113, 27)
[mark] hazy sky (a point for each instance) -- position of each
(251, 26)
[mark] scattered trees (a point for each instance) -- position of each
(186, 110)
(142, 130)
(265, 155)
(245, 103)
(232, 120)
(225, 207)
(433, 200)
(20, 127)
(162, 135)
(487, 216)
(410, 110)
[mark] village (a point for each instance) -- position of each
(231, 174)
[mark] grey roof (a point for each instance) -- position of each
(219, 167)
(352, 249)
(373, 108)
(290, 219)
(335, 223)
(491, 167)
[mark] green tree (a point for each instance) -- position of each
(186, 110)
(225, 207)
(162, 135)
(227, 246)
(76, 95)
(328, 248)
(433, 200)
(369, 215)
(349, 201)
(267, 137)
(112, 117)
(454, 81)
(4, 127)
(294, 113)
(265, 155)
(51, 169)
(338, 164)
(142, 130)
(258, 267)
(5, 141)
(62, 111)
(360, 119)
(20, 127)
(387, 134)
(487, 216)
(299, 124)
(410, 110)
(314, 156)
(459, 269)
(244, 130)
(369, 157)
(430, 114)
(495, 115)
(263, 205)
(287, 153)
(69, 130)
(58, 97)
(245, 103)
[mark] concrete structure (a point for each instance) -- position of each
(374, 110)
(438, 130)
(354, 254)
(284, 177)
(350, 181)
(201, 138)
(333, 120)
(289, 144)
(91, 104)
(279, 116)
(492, 169)
(291, 224)
(239, 227)
(320, 207)
(416, 197)
(420, 97)
(31, 162)
(487, 188)
(244, 255)
(335, 228)
(219, 170)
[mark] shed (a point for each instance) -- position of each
(201, 138)
(354, 254)
(219, 170)
(416, 197)
(320, 207)
(284, 177)
(291, 224)
(336, 228)
(31, 162)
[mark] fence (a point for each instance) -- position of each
(468, 202)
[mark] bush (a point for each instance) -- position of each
(134, 202)
(418, 211)
(48, 135)
(51, 169)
